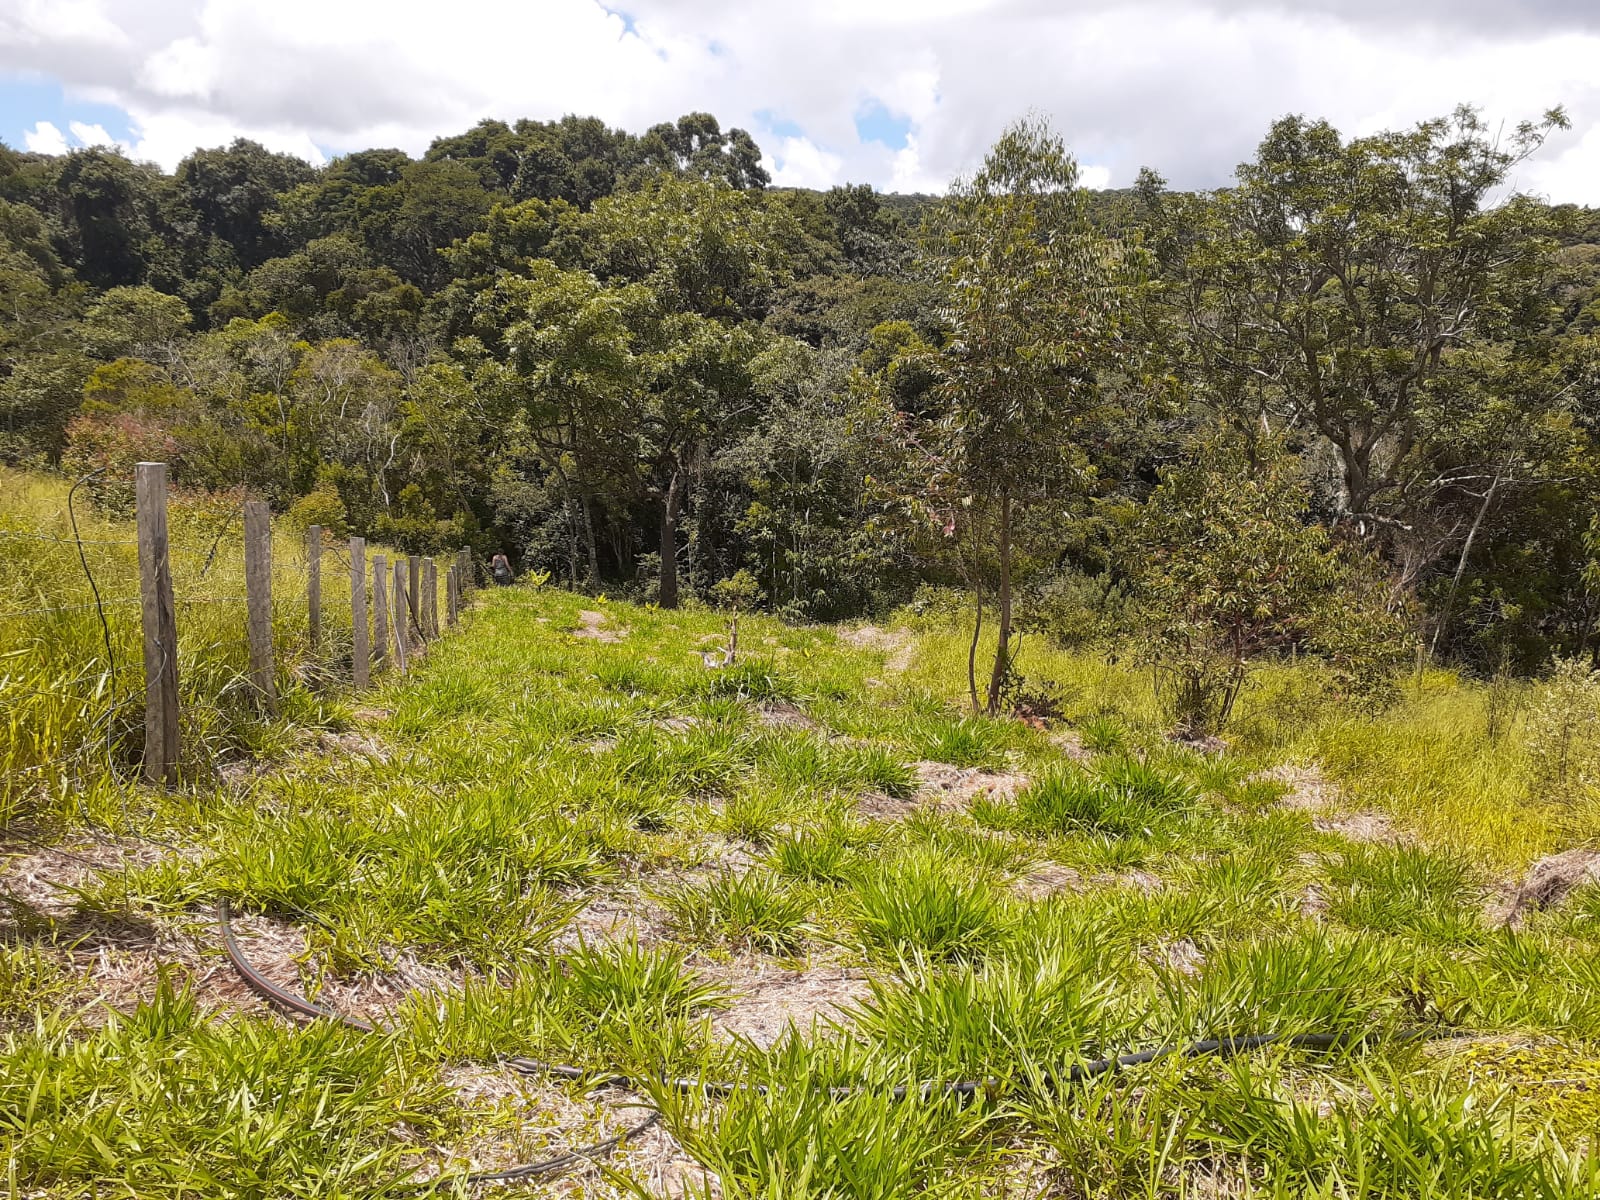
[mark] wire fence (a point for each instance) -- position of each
(287, 621)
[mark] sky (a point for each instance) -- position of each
(901, 94)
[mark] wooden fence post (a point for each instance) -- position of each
(430, 597)
(466, 582)
(258, 600)
(380, 610)
(414, 592)
(402, 641)
(314, 583)
(452, 599)
(159, 617)
(360, 647)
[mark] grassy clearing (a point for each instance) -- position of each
(1448, 763)
(547, 845)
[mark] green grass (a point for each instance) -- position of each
(67, 719)
(523, 775)
(751, 909)
(920, 903)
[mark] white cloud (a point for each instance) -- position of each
(799, 162)
(184, 68)
(54, 21)
(1186, 86)
(45, 138)
(92, 135)
(167, 137)
(908, 173)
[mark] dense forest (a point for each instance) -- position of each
(1343, 408)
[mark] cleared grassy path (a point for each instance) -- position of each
(564, 837)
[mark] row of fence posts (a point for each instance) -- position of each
(404, 610)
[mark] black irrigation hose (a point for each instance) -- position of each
(1081, 1073)
(307, 1007)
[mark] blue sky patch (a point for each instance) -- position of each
(778, 126)
(628, 25)
(27, 100)
(875, 123)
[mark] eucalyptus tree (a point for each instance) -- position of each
(1031, 301)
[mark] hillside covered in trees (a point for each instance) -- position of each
(1013, 692)
(1345, 407)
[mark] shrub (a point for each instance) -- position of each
(1564, 731)
(1234, 573)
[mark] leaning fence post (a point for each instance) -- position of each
(380, 610)
(258, 600)
(430, 597)
(159, 617)
(452, 599)
(402, 644)
(360, 647)
(314, 583)
(414, 592)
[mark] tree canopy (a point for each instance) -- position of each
(628, 359)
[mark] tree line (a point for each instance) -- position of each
(1343, 406)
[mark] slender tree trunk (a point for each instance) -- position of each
(589, 545)
(972, 649)
(573, 537)
(1002, 652)
(669, 540)
(1461, 565)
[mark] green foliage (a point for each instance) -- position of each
(523, 774)
(920, 903)
(164, 1098)
(1032, 293)
(826, 854)
(786, 1135)
(623, 360)
(1564, 732)
(749, 909)
(1403, 888)
(961, 741)
(323, 507)
(1234, 573)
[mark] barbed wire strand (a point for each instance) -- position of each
(16, 614)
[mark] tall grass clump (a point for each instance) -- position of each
(921, 903)
(167, 1101)
(1404, 889)
(72, 689)
(753, 908)
(622, 1005)
(789, 1134)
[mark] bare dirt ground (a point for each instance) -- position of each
(596, 626)
(1547, 883)
(533, 1119)
(895, 644)
(770, 999)
(121, 959)
(951, 787)
(780, 714)
(1310, 791)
